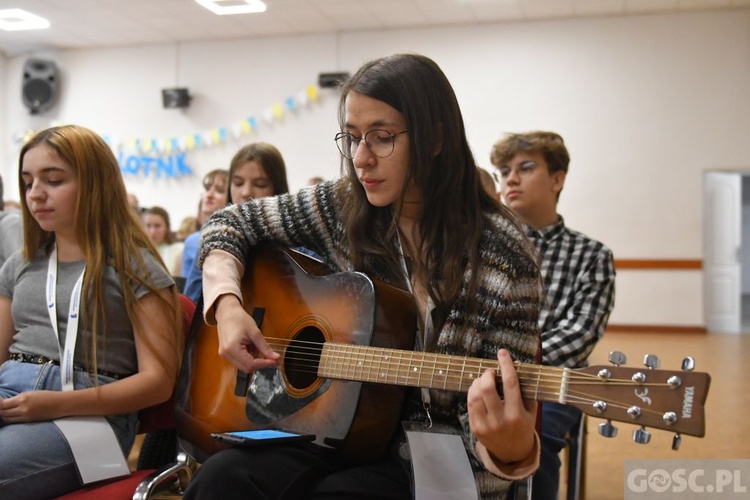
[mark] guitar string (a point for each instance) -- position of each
(545, 385)
(531, 390)
(469, 365)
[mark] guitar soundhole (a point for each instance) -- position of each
(302, 357)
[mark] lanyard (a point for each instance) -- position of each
(420, 340)
(67, 355)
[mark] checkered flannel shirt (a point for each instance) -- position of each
(579, 279)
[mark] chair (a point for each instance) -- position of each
(155, 419)
(522, 489)
(575, 454)
(576, 460)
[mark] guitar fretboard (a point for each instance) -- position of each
(430, 370)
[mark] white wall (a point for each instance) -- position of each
(645, 104)
(117, 92)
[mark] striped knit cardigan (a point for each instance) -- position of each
(508, 293)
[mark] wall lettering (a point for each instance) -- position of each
(154, 166)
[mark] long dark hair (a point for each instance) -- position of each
(441, 165)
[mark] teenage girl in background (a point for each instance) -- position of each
(158, 227)
(215, 185)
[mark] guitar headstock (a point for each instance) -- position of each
(649, 397)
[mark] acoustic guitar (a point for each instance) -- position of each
(346, 342)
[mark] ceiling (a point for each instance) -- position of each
(85, 24)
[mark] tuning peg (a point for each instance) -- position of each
(676, 442)
(607, 429)
(651, 361)
(688, 364)
(641, 436)
(617, 358)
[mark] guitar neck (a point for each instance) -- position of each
(663, 399)
(433, 371)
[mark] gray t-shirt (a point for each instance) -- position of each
(11, 234)
(24, 283)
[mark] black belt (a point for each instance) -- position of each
(41, 360)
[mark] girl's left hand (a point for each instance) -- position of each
(504, 426)
(32, 406)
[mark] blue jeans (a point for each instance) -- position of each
(557, 421)
(35, 460)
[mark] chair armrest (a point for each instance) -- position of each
(181, 471)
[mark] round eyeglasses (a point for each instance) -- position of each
(379, 142)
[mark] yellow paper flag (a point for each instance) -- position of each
(312, 92)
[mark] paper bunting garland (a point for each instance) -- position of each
(275, 113)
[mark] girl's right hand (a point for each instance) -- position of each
(240, 340)
(31, 406)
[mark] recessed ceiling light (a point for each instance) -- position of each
(225, 7)
(19, 19)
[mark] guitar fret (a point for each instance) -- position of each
(379, 356)
(359, 363)
(414, 371)
(389, 360)
(343, 365)
(399, 368)
(406, 370)
(421, 372)
(370, 364)
(352, 358)
(372, 356)
(445, 377)
(339, 356)
(323, 361)
(330, 364)
(461, 377)
(340, 365)
(433, 368)
(403, 368)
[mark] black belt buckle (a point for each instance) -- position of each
(31, 358)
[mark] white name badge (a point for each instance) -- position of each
(440, 465)
(95, 448)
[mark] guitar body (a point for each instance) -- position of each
(299, 306)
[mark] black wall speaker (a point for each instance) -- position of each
(40, 85)
(331, 80)
(175, 98)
